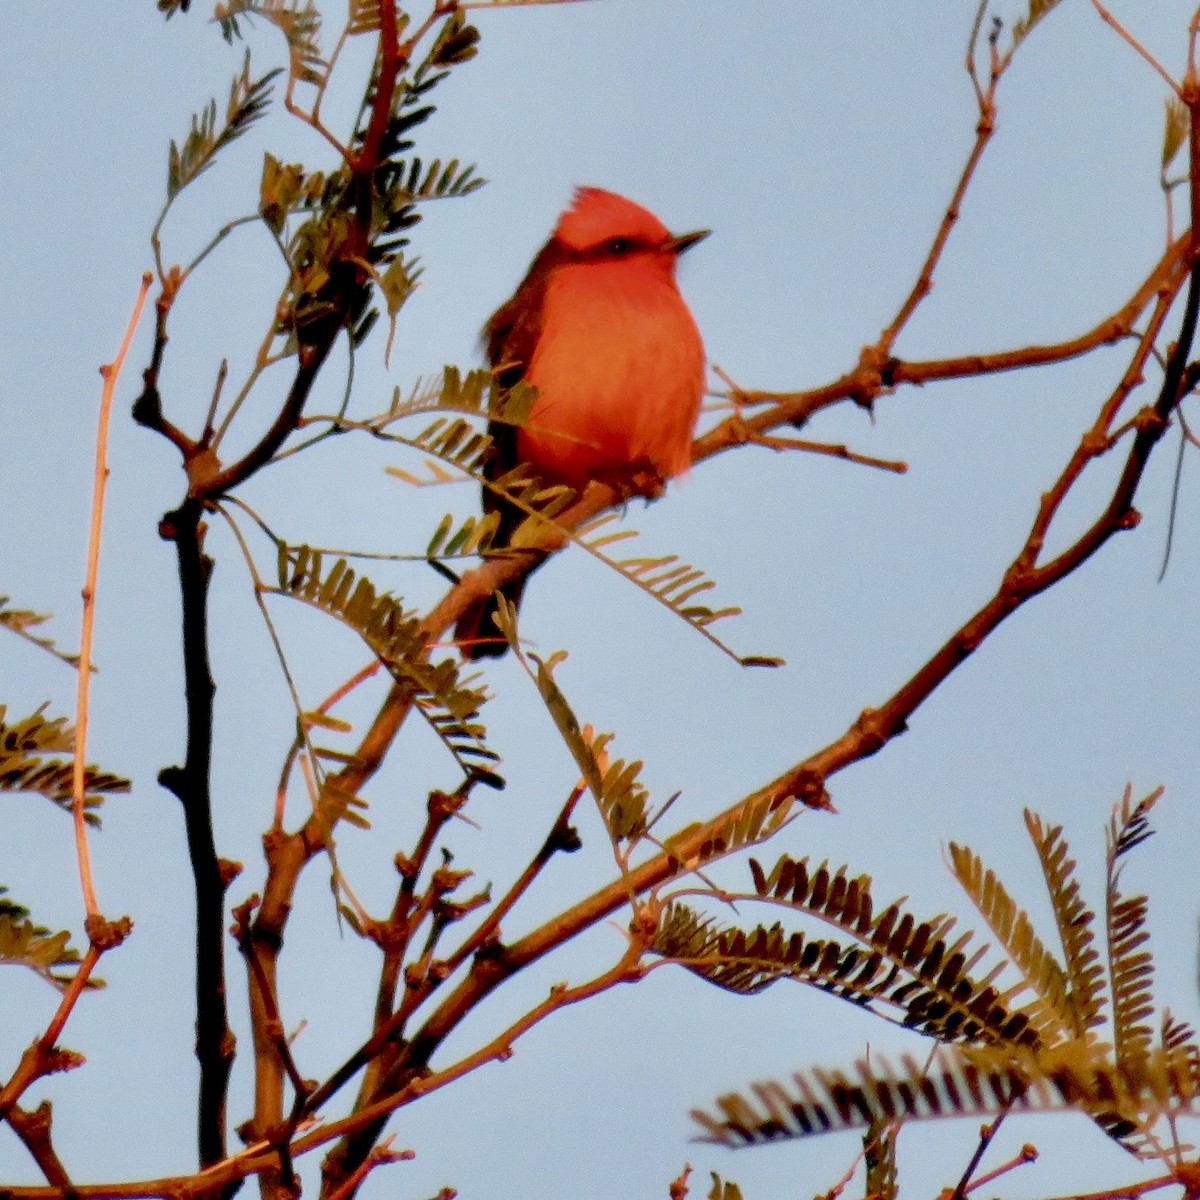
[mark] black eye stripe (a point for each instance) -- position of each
(619, 247)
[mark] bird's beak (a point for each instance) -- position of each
(685, 241)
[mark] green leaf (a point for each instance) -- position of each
(24, 944)
(1176, 123)
(281, 189)
(399, 282)
(248, 100)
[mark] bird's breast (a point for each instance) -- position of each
(619, 368)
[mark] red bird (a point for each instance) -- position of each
(599, 328)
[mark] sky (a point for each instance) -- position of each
(821, 143)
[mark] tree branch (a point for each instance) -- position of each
(190, 783)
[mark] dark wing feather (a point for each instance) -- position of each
(510, 336)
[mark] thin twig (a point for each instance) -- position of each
(1127, 1191)
(383, 1153)
(833, 450)
(262, 359)
(1026, 1154)
(984, 129)
(206, 438)
(847, 1175)
(559, 838)
(972, 41)
(1141, 50)
(359, 1126)
(986, 1134)
(33, 1128)
(1173, 510)
(110, 373)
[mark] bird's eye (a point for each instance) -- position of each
(619, 246)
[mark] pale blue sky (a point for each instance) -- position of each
(820, 142)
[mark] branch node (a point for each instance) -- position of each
(564, 838)
(106, 935)
(807, 785)
(228, 869)
(174, 780)
(871, 730)
(55, 1060)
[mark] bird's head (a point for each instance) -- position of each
(601, 226)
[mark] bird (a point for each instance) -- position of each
(599, 328)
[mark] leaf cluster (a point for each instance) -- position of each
(298, 20)
(248, 102)
(35, 757)
(1038, 1046)
(615, 784)
(447, 701)
(889, 962)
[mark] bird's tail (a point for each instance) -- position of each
(477, 634)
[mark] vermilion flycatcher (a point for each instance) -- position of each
(599, 328)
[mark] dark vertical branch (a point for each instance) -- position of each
(191, 784)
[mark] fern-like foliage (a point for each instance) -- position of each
(9, 907)
(1074, 919)
(248, 101)
(474, 394)
(298, 20)
(619, 794)
(438, 180)
(1034, 1047)
(757, 819)
(953, 1082)
(1130, 964)
(22, 621)
(448, 703)
(470, 537)
(1051, 1014)
(674, 583)
(905, 969)
(35, 756)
